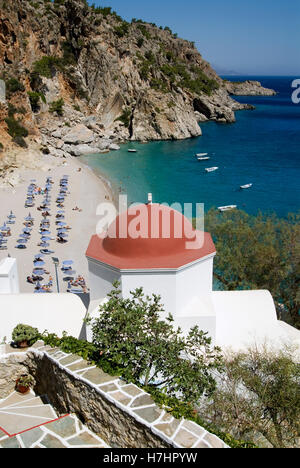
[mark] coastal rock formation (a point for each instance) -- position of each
(248, 88)
(80, 75)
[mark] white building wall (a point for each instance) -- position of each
(9, 279)
(53, 312)
(101, 279)
(179, 290)
(192, 282)
(247, 318)
(162, 284)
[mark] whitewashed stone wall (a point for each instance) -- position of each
(122, 414)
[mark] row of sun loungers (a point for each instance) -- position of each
(76, 285)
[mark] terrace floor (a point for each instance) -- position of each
(28, 421)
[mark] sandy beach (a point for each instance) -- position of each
(86, 191)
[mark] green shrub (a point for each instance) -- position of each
(125, 117)
(34, 98)
(129, 333)
(15, 129)
(57, 107)
(140, 42)
(19, 140)
(1, 147)
(69, 57)
(144, 31)
(47, 66)
(122, 30)
(12, 110)
(25, 333)
(13, 86)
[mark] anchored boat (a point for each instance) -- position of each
(211, 169)
(244, 187)
(203, 158)
(227, 208)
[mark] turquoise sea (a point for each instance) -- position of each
(262, 148)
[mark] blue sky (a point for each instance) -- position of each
(258, 37)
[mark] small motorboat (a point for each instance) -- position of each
(203, 158)
(244, 187)
(211, 169)
(227, 208)
(132, 151)
(200, 155)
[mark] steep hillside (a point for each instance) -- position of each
(66, 64)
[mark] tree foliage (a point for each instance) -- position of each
(130, 335)
(57, 107)
(259, 395)
(259, 252)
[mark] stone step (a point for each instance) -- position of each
(16, 398)
(42, 411)
(26, 422)
(19, 413)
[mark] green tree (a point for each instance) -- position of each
(57, 107)
(259, 252)
(146, 350)
(34, 98)
(13, 86)
(259, 395)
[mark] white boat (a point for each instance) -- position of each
(203, 158)
(246, 186)
(211, 169)
(201, 154)
(227, 208)
(132, 151)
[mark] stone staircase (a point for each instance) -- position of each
(29, 421)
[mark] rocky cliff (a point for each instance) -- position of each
(71, 68)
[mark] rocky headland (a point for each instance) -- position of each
(79, 79)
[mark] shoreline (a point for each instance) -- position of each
(102, 178)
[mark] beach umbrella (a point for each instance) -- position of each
(38, 285)
(60, 223)
(39, 256)
(46, 238)
(25, 236)
(62, 235)
(37, 272)
(45, 244)
(67, 279)
(71, 272)
(39, 264)
(46, 233)
(21, 246)
(28, 218)
(68, 262)
(21, 241)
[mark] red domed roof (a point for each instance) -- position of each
(150, 237)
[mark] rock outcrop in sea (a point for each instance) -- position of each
(79, 79)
